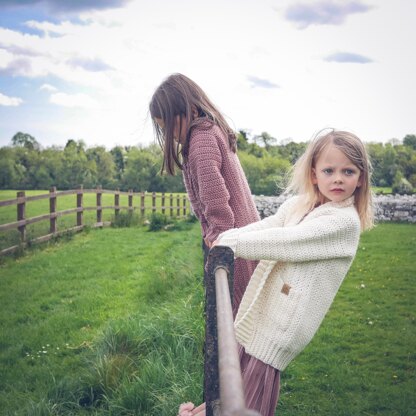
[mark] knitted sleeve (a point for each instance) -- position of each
(191, 196)
(324, 237)
(229, 238)
(205, 162)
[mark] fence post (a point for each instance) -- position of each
(171, 204)
(163, 203)
(142, 206)
(131, 201)
(21, 214)
(218, 257)
(178, 206)
(117, 202)
(153, 202)
(80, 211)
(184, 205)
(99, 206)
(52, 210)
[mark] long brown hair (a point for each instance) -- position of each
(354, 149)
(179, 96)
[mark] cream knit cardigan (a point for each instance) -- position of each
(303, 263)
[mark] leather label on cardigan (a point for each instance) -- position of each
(286, 289)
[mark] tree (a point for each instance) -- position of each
(76, 168)
(265, 175)
(104, 165)
(25, 140)
(290, 150)
(384, 160)
(410, 141)
(401, 185)
(11, 173)
(119, 155)
(242, 140)
(266, 139)
(141, 167)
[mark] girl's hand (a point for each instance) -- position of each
(207, 243)
(215, 243)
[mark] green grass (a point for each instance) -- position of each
(381, 190)
(110, 323)
(81, 316)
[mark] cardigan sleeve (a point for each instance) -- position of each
(191, 196)
(205, 162)
(324, 237)
(229, 238)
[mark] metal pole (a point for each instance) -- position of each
(223, 385)
(231, 385)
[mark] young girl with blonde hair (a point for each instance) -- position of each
(305, 251)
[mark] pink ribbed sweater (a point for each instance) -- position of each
(219, 193)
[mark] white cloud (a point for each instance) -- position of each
(73, 100)
(324, 12)
(109, 62)
(48, 87)
(9, 101)
(347, 57)
(257, 82)
(65, 7)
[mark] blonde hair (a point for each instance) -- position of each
(301, 180)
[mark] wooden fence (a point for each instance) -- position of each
(172, 205)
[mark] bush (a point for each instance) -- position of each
(157, 221)
(402, 186)
(125, 219)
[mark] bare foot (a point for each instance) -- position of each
(199, 411)
(185, 409)
(189, 409)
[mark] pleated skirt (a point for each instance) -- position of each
(261, 381)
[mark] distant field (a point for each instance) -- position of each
(110, 323)
(382, 190)
(35, 208)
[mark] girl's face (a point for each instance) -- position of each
(335, 175)
(179, 129)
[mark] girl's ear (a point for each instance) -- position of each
(314, 178)
(194, 112)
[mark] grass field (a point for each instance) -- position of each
(109, 322)
(39, 207)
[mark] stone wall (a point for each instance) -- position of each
(388, 207)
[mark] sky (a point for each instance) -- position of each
(86, 70)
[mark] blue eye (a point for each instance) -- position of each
(327, 171)
(349, 172)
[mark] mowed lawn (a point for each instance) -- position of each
(109, 322)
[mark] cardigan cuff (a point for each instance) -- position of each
(229, 239)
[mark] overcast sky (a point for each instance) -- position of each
(87, 69)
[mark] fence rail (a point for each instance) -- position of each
(223, 386)
(170, 204)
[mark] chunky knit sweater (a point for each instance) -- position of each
(303, 263)
(216, 184)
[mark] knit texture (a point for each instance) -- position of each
(219, 193)
(216, 184)
(303, 263)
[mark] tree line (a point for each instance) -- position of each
(24, 164)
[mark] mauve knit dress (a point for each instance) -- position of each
(221, 199)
